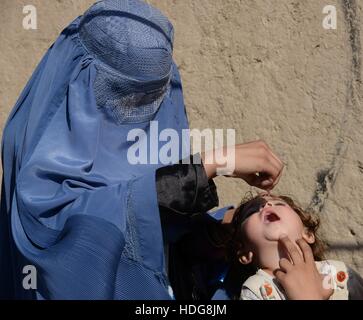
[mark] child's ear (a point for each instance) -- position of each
(245, 257)
(308, 236)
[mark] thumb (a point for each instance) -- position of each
(267, 182)
(263, 181)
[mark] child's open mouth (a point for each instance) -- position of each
(270, 217)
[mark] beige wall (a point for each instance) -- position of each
(267, 69)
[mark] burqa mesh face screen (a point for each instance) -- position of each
(133, 47)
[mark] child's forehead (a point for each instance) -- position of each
(269, 197)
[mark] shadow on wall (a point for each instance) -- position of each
(336, 246)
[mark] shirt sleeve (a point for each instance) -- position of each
(185, 189)
(355, 285)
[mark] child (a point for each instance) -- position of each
(259, 223)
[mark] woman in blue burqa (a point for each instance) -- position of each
(74, 209)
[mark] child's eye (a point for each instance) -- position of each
(280, 204)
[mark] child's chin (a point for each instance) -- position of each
(274, 234)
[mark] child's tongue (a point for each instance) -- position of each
(271, 217)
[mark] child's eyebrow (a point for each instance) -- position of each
(279, 201)
(274, 199)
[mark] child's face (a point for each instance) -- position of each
(269, 221)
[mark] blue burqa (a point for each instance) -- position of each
(73, 207)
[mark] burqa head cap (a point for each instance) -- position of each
(133, 45)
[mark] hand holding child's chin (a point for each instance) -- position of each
(299, 277)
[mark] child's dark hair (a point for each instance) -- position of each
(240, 273)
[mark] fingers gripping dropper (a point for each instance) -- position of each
(260, 175)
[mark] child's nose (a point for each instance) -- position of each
(267, 204)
